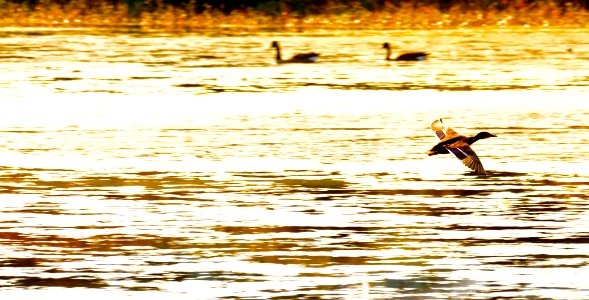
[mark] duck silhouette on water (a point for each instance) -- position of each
(408, 56)
(310, 57)
(459, 145)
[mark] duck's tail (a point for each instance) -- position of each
(431, 152)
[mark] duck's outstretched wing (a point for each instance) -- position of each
(442, 131)
(467, 156)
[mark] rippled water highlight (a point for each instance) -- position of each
(149, 165)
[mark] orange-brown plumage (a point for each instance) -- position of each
(459, 145)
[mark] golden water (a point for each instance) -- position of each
(149, 165)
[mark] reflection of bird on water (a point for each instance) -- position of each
(409, 56)
(310, 57)
(459, 145)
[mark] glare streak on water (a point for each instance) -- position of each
(149, 165)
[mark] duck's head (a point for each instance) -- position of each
(274, 44)
(483, 135)
(386, 46)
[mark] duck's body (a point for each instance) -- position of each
(459, 145)
(409, 56)
(310, 57)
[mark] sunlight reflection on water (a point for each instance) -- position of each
(154, 165)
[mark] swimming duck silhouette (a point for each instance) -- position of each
(409, 56)
(310, 57)
(459, 145)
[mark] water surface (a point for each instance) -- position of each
(149, 165)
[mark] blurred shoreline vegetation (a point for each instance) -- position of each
(294, 14)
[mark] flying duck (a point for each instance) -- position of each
(459, 145)
(409, 56)
(310, 57)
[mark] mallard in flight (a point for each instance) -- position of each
(459, 145)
